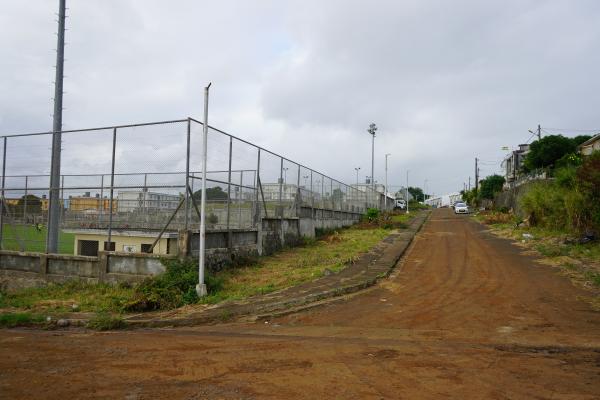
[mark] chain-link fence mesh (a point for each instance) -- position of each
(143, 182)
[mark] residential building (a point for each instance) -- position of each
(589, 146)
(513, 162)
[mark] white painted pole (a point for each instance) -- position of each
(201, 286)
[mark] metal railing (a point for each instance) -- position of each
(144, 178)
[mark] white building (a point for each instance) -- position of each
(444, 200)
(270, 191)
(142, 200)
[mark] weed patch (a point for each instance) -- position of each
(11, 320)
(106, 322)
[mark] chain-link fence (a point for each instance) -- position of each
(142, 182)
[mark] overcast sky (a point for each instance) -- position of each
(445, 81)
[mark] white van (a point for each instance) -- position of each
(400, 204)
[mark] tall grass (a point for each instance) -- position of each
(570, 202)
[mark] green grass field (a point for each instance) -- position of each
(32, 239)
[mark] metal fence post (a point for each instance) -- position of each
(101, 204)
(312, 197)
(229, 195)
(2, 192)
(240, 199)
(112, 185)
(187, 176)
(298, 195)
(281, 188)
(256, 181)
(25, 200)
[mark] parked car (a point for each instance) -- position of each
(461, 208)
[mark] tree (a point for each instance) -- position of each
(548, 150)
(337, 195)
(416, 193)
(213, 193)
(490, 186)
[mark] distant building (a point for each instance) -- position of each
(402, 193)
(444, 200)
(513, 162)
(589, 146)
(270, 191)
(142, 200)
(87, 203)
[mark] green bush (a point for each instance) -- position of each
(171, 289)
(372, 214)
(571, 202)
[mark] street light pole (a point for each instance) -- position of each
(201, 286)
(357, 169)
(407, 191)
(372, 129)
(285, 169)
(386, 181)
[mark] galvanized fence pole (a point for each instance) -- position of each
(25, 200)
(312, 197)
(187, 175)
(240, 199)
(112, 185)
(2, 193)
(257, 188)
(229, 195)
(298, 194)
(101, 203)
(281, 189)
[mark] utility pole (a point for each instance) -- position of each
(386, 181)
(476, 175)
(469, 183)
(372, 129)
(357, 169)
(539, 132)
(54, 205)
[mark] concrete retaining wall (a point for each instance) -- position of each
(33, 269)
(224, 248)
(511, 198)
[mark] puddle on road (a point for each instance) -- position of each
(505, 329)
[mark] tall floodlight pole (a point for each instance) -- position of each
(407, 171)
(386, 185)
(357, 169)
(54, 205)
(201, 286)
(372, 129)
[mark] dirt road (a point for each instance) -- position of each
(465, 316)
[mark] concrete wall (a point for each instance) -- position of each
(224, 248)
(33, 269)
(510, 198)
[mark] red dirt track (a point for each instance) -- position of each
(464, 316)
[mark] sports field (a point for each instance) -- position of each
(32, 239)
